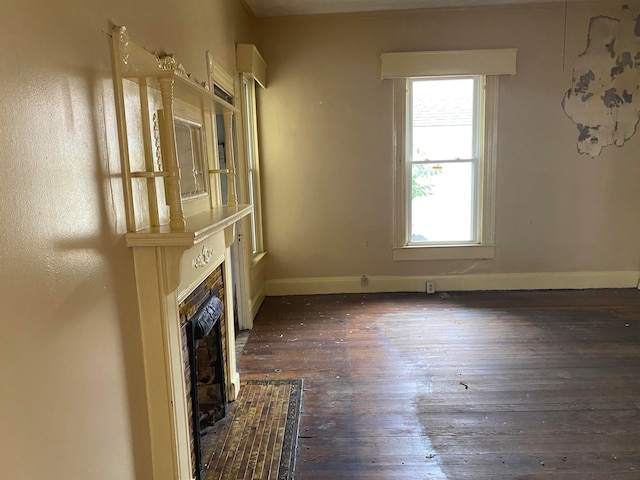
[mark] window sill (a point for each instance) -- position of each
(442, 252)
(257, 259)
(257, 264)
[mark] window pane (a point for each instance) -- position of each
(222, 157)
(442, 202)
(248, 107)
(442, 119)
(254, 227)
(252, 167)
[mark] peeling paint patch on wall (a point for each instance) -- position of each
(604, 100)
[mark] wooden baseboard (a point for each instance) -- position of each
(255, 303)
(500, 281)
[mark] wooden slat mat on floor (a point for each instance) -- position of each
(258, 440)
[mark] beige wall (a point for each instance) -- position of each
(327, 152)
(71, 401)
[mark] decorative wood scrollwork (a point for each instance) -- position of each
(156, 137)
(203, 257)
(123, 38)
(167, 62)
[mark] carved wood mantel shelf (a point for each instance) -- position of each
(198, 227)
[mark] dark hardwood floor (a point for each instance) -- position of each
(479, 385)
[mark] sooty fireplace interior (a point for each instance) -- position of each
(202, 332)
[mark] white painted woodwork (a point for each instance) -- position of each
(453, 283)
(228, 141)
(249, 61)
(217, 75)
(449, 62)
(276, 8)
(198, 227)
(485, 248)
(236, 191)
(173, 253)
(197, 262)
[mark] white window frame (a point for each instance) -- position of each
(475, 160)
(484, 245)
(252, 165)
(401, 66)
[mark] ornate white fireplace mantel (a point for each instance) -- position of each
(180, 231)
(165, 275)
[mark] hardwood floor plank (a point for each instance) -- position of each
(479, 385)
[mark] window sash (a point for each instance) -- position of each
(253, 180)
(474, 208)
(478, 119)
(477, 101)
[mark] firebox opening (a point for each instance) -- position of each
(207, 375)
(203, 330)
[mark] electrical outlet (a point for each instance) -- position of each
(431, 286)
(364, 281)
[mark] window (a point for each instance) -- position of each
(252, 165)
(444, 116)
(445, 170)
(223, 171)
(445, 122)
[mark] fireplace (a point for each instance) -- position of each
(203, 327)
(173, 282)
(179, 238)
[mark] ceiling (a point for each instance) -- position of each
(277, 8)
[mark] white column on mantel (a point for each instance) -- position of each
(152, 193)
(172, 182)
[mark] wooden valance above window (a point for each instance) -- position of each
(449, 62)
(249, 60)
